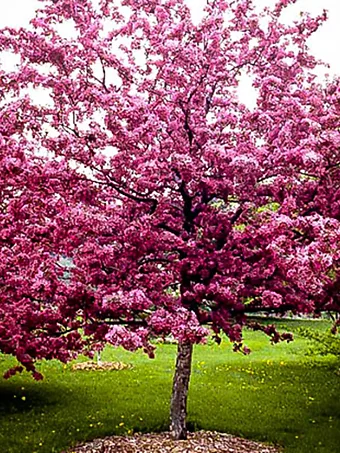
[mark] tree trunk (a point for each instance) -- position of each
(178, 410)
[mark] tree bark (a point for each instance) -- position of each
(178, 410)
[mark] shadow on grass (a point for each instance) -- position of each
(277, 394)
(67, 408)
(21, 399)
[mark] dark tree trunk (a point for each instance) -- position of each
(178, 411)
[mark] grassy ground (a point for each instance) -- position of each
(277, 394)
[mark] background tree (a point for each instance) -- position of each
(177, 206)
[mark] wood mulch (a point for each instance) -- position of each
(198, 442)
(101, 366)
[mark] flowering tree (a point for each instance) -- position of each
(177, 207)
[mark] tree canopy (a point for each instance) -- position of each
(143, 198)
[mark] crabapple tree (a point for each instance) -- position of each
(141, 198)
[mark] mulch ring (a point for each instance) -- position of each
(101, 366)
(201, 442)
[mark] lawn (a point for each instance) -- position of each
(278, 394)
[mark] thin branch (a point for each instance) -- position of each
(234, 218)
(152, 260)
(166, 227)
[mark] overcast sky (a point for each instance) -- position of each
(324, 44)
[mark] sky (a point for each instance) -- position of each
(324, 44)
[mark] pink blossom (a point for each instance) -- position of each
(144, 198)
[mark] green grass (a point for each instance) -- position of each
(278, 394)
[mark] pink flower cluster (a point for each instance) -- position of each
(130, 340)
(182, 324)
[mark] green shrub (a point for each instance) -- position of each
(323, 343)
